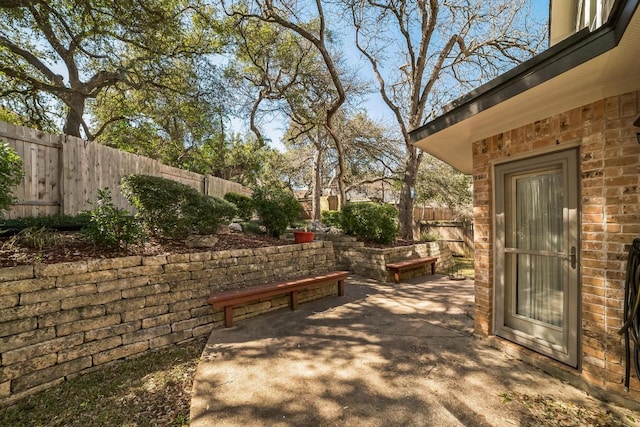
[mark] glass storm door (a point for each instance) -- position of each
(536, 254)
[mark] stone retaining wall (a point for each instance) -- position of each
(371, 262)
(59, 320)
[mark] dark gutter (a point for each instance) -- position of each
(560, 58)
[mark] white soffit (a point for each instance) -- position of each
(612, 73)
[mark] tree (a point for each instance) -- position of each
(269, 64)
(439, 182)
(182, 115)
(372, 152)
(57, 55)
(293, 16)
(442, 48)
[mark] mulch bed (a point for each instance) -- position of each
(71, 246)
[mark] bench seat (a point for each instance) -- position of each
(410, 264)
(231, 298)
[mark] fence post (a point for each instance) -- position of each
(61, 201)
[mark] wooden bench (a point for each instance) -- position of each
(236, 297)
(398, 267)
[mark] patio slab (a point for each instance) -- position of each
(382, 355)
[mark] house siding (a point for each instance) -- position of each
(609, 161)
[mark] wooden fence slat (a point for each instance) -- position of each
(63, 173)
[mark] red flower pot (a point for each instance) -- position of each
(303, 236)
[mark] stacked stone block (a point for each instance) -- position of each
(59, 320)
(371, 262)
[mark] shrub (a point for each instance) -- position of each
(209, 213)
(277, 208)
(370, 222)
(243, 203)
(331, 218)
(10, 175)
(172, 209)
(110, 226)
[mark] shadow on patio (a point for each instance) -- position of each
(382, 355)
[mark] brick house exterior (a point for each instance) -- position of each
(600, 128)
(609, 158)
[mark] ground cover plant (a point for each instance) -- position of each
(73, 246)
(463, 267)
(52, 222)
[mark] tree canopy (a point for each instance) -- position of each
(172, 79)
(58, 55)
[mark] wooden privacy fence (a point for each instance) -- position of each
(429, 213)
(457, 234)
(63, 173)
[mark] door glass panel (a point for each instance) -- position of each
(538, 213)
(539, 227)
(539, 294)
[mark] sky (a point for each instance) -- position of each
(373, 104)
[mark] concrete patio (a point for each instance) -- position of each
(383, 355)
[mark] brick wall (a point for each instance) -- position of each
(610, 217)
(62, 319)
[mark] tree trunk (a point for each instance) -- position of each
(73, 121)
(407, 193)
(341, 191)
(317, 180)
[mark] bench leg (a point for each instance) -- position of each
(293, 296)
(433, 268)
(228, 316)
(341, 288)
(396, 276)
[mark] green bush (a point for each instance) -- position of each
(171, 209)
(10, 175)
(277, 209)
(370, 222)
(243, 203)
(110, 226)
(331, 218)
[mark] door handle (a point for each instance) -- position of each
(573, 257)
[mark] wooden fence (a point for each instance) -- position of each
(63, 174)
(457, 234)
(429, 213)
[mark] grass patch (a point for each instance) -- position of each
(152, 390)
(464, 267)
